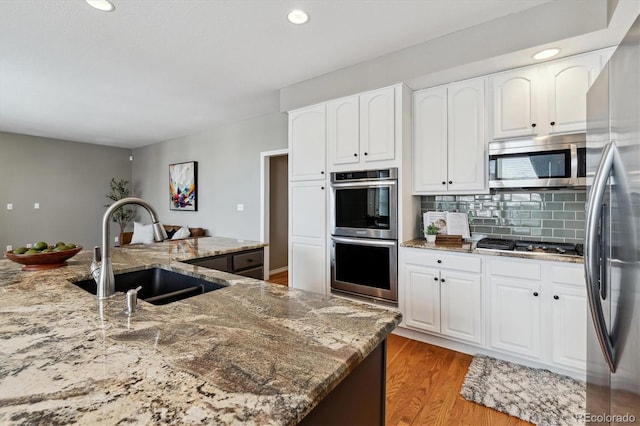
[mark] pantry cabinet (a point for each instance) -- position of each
(307, 236)
(449, 149)
(361, 129)
(307, 143)
(544, 99)
(444, 299)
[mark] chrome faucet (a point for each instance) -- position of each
(101, 267)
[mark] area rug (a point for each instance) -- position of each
(535, 395)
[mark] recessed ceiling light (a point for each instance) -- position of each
(297, 17)
(103, 5)
(547, 53)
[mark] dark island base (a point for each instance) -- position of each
(359, 399)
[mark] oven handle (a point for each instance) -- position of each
(365, 242)
(373, 184)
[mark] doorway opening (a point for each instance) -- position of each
(274, 213)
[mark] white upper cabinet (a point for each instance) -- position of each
(361, 130)
(307, 143)
(343, 130)
(377, 125)
(568, 82)
(515, 103)
(545, 99)
(449, 148)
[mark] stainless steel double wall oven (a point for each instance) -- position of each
(364, 233)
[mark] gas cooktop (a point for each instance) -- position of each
(568, 249)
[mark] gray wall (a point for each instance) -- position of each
(70, 180)
(228, 174)
(279, 212)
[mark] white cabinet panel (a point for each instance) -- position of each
(308, 267)
(423, 301)
(343, 130)
(307, 143)
(515, 103)
(430, 140)
(460, 304)
(515, 316)
(569, 331)
(377, 125)
(308, 210)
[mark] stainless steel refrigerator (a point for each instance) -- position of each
(612, 227)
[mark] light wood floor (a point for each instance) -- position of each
(423, 385)
(423, 388)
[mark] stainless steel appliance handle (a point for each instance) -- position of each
(591, 260)
(365, 242)
(361, 184)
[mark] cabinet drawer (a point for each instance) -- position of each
(257, 273)
(567, 275)
(516, 269)
(219, 263)
(251, 259)
(444, 260)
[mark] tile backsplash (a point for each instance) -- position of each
(546, 215)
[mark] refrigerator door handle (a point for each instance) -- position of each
(592, 262)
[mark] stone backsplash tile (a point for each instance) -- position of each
(545, 215)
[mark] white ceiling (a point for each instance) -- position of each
(156, 70)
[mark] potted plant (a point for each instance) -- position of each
(124, 215)
(430, 233)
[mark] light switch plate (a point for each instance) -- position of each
(10, 206)
(9, 247)
(240, 207)
(36, 206)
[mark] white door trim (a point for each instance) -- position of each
(264, 200)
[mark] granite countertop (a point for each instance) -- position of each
(250, 353)
(466, 247)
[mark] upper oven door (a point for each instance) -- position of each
(365, 209)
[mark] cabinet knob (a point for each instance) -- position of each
(249, 260)
(435, 278)
(553, 123)
(322, 187)
(450, 182)
(366, 153)
(444, 183)
(355, 154)
(535, 293)
(322, 172)
(439, 261)
(556, 297)
(533, 124)
(442, 280)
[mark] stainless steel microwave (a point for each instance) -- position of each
(543, 162)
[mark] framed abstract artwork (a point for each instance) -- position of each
(183, 185)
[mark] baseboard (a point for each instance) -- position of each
(278, 270)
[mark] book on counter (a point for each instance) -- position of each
(448, 223)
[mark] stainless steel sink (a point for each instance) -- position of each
(159, 286)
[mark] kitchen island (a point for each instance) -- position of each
(249, 353)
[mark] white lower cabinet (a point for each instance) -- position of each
(538, 309)
(525, 310)
(445, 299)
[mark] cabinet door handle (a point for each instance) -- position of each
(533, 124)
(322, 187)
(450, 182)
(366, 153)
(535, 293)
(435, 278)
(322, 172)
(355, 154)
(444, 183)
(553, 123)
(556, 297)
(439, 261)
(442, 280)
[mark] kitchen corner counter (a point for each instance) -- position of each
(422, 243)
(252, 352)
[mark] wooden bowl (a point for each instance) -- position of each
(37, 262)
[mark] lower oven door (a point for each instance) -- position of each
(365, 267)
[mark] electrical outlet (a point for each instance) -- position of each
(10, 206)
(36, 206)
(116, 239)
(9, 247)
(240, 207)
(29, 245)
